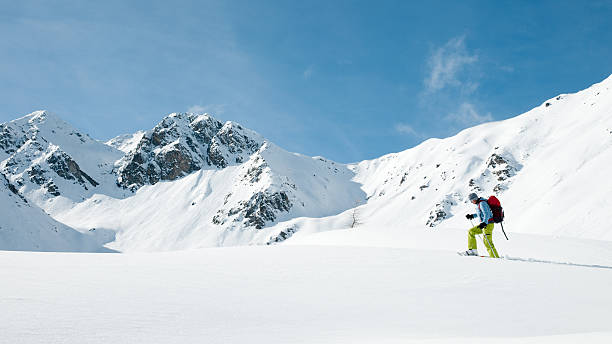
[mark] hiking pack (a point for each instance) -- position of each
(496, 209)
(498, 212)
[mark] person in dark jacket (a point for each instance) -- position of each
(485, 226)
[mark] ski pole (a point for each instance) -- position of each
(503, 231)
(490, 246)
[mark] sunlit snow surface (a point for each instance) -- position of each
(316, 293)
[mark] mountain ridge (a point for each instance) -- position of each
(235, 187)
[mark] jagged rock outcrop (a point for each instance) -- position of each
(65, 167)
(183, 143)
(282, 236)
(499, 168)
(255, 212)
(12, 188)
(442, 210)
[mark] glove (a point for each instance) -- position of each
(469, 216)
(482, 225)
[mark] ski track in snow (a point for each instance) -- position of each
(533, 260)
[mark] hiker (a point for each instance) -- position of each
(486, 224)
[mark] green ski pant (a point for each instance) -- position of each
(488, 239)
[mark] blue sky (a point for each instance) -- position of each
(349, 80)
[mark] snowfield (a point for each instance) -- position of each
(316, 293)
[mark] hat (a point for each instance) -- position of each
(472, 197)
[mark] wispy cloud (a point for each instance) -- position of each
(446, 63)
(307, 74)
(467, 115)
(405, 129)
(216, 109)
(450, 88)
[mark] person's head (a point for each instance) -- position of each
(473, 198)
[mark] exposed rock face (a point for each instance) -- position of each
(65, 167)
(501, 167)
(442, 210)
(183, 143)
(31, 157)
(282, 236)
(262, 207)
(268, 197)
(11, 187)
(11, 139)
(39, 176)
(498, 171)
(229, 145)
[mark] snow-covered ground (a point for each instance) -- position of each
(366, 285)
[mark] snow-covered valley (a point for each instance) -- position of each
(350, 287)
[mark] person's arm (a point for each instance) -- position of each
(471, 216)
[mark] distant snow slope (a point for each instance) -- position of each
(127, 142)
(26, 227)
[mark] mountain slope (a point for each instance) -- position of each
(548, 166)
(26, 227)
(49, 161)
(230, 206)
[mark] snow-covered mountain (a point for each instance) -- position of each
(549, 167)
(181, 144)
(49, 161)
(193, 181)
(221, 207)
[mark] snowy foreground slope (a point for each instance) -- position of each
(310, 294)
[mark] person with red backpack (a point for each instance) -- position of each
(486, 225)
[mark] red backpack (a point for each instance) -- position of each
(496, 209)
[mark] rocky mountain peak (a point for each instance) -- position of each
(183, 143)
(44, 156)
